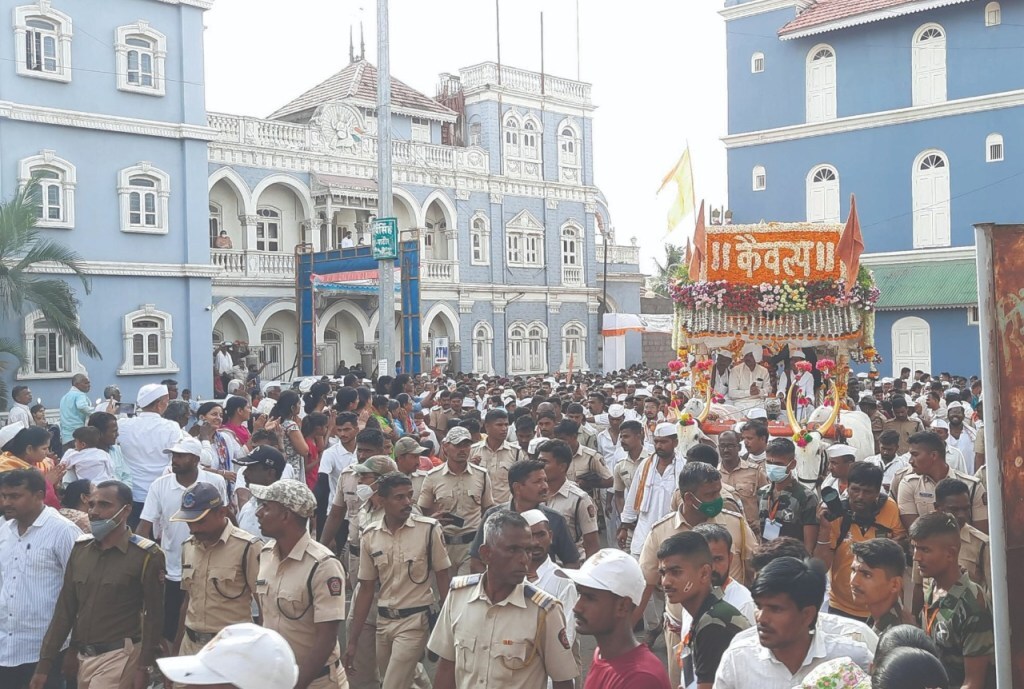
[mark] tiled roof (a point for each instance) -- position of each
(927, 285)
(852, 12)
(358, 82)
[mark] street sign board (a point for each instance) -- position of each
(440, 350)
(385, 238)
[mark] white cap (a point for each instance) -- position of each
(866, 394)
(840, 450)
(468, 403)
(862, 375)
(955, 391)
(621, 398)
(306, 385)
(534, 517)
(956, 405)
(244, 655)
(616, 411)
(757, 413)
(524, 402)
(752, 348)
(940, 423)
(8, 432)
(886, 380)
(271, 384)
(550, 380)
(642, 392)
(535, 444)
(796, 354)
(149, 394)
(610, 569)
(665, 430)
(607, 386)
(186, 445)
(234, 385)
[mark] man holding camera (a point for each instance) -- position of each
(865, 513)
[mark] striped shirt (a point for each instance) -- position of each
(31, 575)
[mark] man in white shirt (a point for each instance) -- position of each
(961, 435)
(21, 410)
(649, 497)
(35, 544)
(224, 364)
(544, 573)
(143, 440)
(271, 391)
(887, 460)
(342, 453)
(163, 500)
(748, 382)
(785, 646)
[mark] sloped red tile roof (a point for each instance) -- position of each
(828, 11)
(358, 81)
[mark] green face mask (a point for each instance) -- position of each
(711, 509)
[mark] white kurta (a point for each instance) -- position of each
(740, 380)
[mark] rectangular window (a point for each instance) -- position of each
(421, 130)
(759, 182)
(475, 134)
(515, 249)
(49, 353)
(995, 152)
(40, 50)
(531, 255)
(758, 65)
(973, 315)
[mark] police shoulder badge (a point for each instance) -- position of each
(335, 586)
(563, 638)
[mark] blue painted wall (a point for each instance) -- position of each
(955, 346)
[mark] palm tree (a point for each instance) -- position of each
(24, 256)
(673, 258)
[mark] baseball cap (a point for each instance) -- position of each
(265, 455)
(408, 446)
(197, 501)
(293, 494)
(609, 569)
(378, 464)
(148, 394)
(245, 655)
(186, 445)
(458, 435)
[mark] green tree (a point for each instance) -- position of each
(27, 263)
(668, 268)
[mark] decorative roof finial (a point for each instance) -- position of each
(351, 46)
(362, 43)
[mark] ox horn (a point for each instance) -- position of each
(794, 424)
(707, 404)
(827, 426)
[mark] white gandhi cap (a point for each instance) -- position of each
(665, 430)
(611, 570)
(244, 655)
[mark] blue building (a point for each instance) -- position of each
(104, 102)
(913, 106)
(494, 175)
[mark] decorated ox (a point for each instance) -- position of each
(688, 428)
(810, 444)
(861, 438)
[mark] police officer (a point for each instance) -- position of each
(407, 456)
(220, 563)
(112, 601)
(568, 499)
(457, 494)
(301, 585)
(496, 454)
(496, 630)
(398, 550)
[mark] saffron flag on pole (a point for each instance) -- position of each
(851, 246)
(684, 201)
(700, 238)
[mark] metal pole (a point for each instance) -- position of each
(385, 209)
(604, 300)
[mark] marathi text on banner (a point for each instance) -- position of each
(753, 254)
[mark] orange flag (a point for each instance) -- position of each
(572, 357)
(851, 246)
(699, 240)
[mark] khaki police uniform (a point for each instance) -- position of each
(625, 468)
(467, 495)
(517, 643)
(587, 439)
(497, 463)
(366, 648)
(743, 542)
(112, 604)
(220, 580)
(917, 494)
(402, 563)
(417, 478)
(745, 479)
(573, 503)
(587, 461)
(298, 590)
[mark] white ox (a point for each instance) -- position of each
(810, 459)
(690, 434)
(857, 422)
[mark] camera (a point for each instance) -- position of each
(830, 496)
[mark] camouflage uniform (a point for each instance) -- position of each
(895, 616)
(715, 625)
(793, 508)
(960, 624)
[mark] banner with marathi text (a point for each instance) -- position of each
(772, 253)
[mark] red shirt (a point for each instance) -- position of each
(637, 669)
(312, 463)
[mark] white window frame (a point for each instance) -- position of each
(973, 315)
(479, 240)
(830, 98)
(67, 179)
(580, 359)
(757, 63)
(511, 127)
(476, 134)
(570, 152)
(993, 14)
(164, 333)
(420, 131)
(34, 326)
(572, 246)
(758, 178)
(532, 139)
(527, 348)
(921, 95)
(831, 194)
(216, 222)
(919, 240)
(483, 349)
(523, 146)
(266, 240)
(516, 349)
(161, 190)
(524, 242)
(61, 35)
(995, 152)
(157, 53)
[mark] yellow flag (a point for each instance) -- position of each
(684, 202)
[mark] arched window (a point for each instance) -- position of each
(268, 229)
(480, 240)
(574, 346)
(572, 254)
(147, 343)
(48, 354)
(537, 348)
(821, 84)
(823, 194)
(531, 133)
(145, 192)
(56, 177)
(517, 349)
(993, 14)
(272, 353)
(483, 348)
(522, 150)
(759, 178)
(931, 200)
(512, 126)
(570, 157)
(994, 148)
(911, 344)
(929, 65)
(42, 42)
(141, 53)
(757, 63)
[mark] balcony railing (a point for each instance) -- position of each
(572, 275)
(255, 264)
(234, 129)
(523, 81)
(619, 253)
(440, 271)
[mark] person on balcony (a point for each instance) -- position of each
(223, 241)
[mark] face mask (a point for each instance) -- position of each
(101, 528)
(364, 492)
(776, 474)
(712, 508)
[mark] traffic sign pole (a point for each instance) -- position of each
(385, 210)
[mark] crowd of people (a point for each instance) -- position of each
(466, 531)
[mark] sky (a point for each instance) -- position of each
(657, 70)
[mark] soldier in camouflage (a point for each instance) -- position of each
(956, 615)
